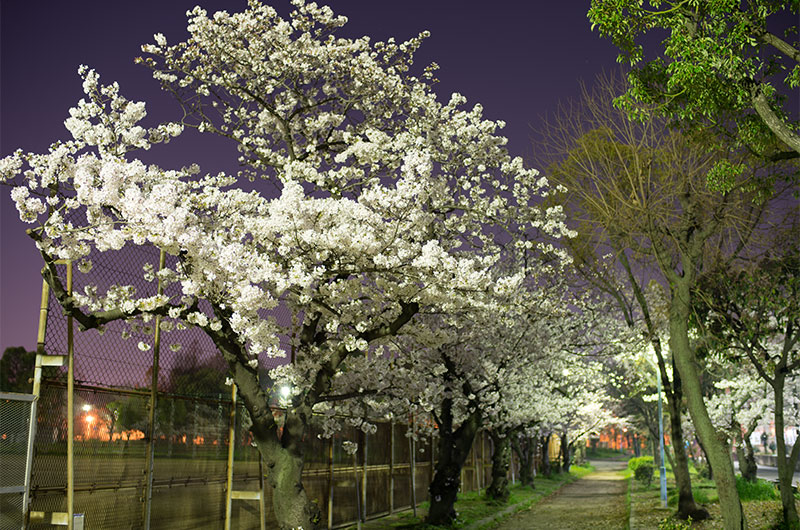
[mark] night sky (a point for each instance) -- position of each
(518, 59)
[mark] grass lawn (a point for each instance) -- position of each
(645, 501)
(472, 507)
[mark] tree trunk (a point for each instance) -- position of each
(705, 456)
(566, 456)
(454, 446)
(715, 443)
(501, 459)
(656, 449)
(283, 460)
(680, 463)
(525, 453)
(547, 470)
(747, 460)
(786, 463)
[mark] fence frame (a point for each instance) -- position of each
(74, 522)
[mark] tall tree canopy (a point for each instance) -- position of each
(388, 202)
(732, 65)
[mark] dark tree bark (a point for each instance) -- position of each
(501, 459)
(747, 459)
(679, 462)
(526, 453)
(454, 446)
(787, 461)
(547, 469)
(673, 392)
(714, 445)
(566, 453)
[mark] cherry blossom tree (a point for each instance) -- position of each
(740, 406)
(388, 203)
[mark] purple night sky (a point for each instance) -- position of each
(518, 59)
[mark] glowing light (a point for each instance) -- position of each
(89, 419)
(86, 407)
(285, 391)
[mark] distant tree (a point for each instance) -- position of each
(599, 154)
(752, 311)
(131, 415)
(728, 65)
(639, 190)
(16, 369)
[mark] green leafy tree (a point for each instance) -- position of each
(16, 368)
(753, 312)
(617, 172)
(640, 192)
(725, 64)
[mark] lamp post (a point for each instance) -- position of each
(662, 471)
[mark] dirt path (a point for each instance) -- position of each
(594, 501)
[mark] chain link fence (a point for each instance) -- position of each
(125, 388)
(16, 411)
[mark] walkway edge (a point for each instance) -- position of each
(514, 508)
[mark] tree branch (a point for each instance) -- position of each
(772, 120)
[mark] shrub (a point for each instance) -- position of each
(635, 462)
(644, 474)
(760, 490)
(642, 468)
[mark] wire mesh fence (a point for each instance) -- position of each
(16, 411)
(127, 388)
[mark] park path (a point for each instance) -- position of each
(592, 502)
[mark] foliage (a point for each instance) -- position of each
(380, 218)
(704, 471)
(761, 490)
(638, 190)
(16, 368)
(671, 523)
(603, 453)
(637, 461)
(473, 508)
(642, 468)
(723, 63)
(644, 473)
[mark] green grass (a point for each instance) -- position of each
(761, 490)
(473, 507)
(601, 453)
(760, 503)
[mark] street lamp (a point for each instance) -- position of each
(662, 471)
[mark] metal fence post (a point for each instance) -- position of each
(330, 483)
(231, 438)
(475, 479)
(412, 462)
(433, 465)
(151, 413)
(364, 481)
(358, 497)
(483, 459)
(70, 411)
(262, 508)
(391, 467)
(36, 391)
